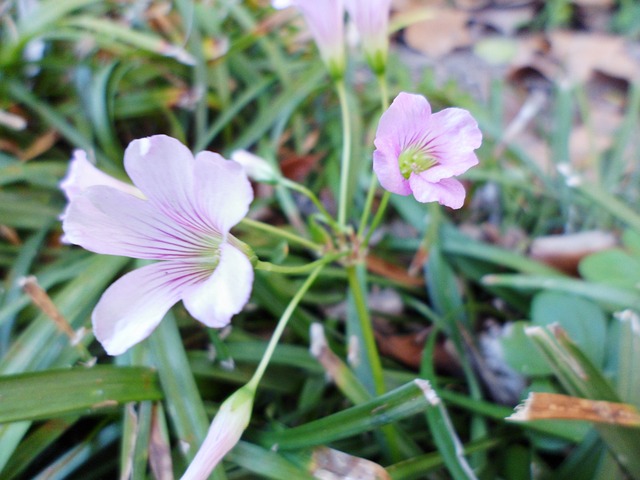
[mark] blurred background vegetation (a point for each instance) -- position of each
(550, 234)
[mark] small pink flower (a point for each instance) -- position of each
(371, 18)
(418, 152)
(179, 215)
(325, 19)
(224, 432)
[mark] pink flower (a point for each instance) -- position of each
(371, 18)
(224, 432)
(418, 152)
(182, 222)
(325, 19)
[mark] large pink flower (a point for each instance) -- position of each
(181, 218)
(371, 18)
(418, 152)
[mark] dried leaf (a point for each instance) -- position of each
(564, 252)
(438, 36)
(40, 145)
(159, 449)
(583, 53)
(554, 406)
(391, 271)
(330, 464)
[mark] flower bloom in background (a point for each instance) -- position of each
(418, 152)
(325, 19)
(256, 168)
(224, 432)
(180, 215)
(371, 18)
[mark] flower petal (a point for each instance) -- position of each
(403, 123)
(385, 166)
(108, 221)
(448, 191)
(452, 132)
(162, 168)
(134, 305)
(454, 166)
(222, 192)
(216, 300)
(325, 20)
(82, 174)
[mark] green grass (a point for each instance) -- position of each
(111, 73)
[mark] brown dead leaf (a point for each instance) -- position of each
(404, 348)
(10, 234)
(564, 252)
(438, 36)
(392, 272)
(297, 167)
(159, 449)
(330, 464)
(40, 145)
(554, 406)
(583, 53)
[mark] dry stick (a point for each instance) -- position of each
(40, 298)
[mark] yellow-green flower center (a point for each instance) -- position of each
(415, 160)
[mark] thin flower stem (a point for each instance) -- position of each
(371, 193)
(282, 323)
(298, 269)
(384, 91)
(364, 219)
(311, 196)
(378, 218)
(366, 330)
(345, 164)
(278, 232)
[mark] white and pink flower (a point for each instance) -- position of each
(179, 216)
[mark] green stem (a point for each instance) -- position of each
(384, 91)
(311, 196)
(384, 103)
(371, 193)
(282, 323)
(298, 269)
(366, 330)
(278, 232)
(378, 218)
(345, 164)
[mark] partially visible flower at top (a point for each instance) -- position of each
(325, 19)
(418, 152)
(183, 219)
(256, 168)
(371, 18)
(225, 431)
(280, 4)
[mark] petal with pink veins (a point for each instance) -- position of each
(107, 221)
(134, 305)
(216, 300)
(222, 190)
